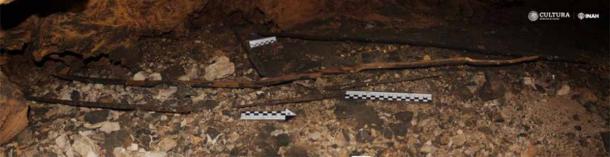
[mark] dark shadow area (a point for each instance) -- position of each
(503, 29)
(12, 14)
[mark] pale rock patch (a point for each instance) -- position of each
(221, 68)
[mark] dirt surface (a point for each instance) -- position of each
(531, 109)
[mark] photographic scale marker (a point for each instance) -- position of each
(267, 115)
(391, 96)
(363, 95)
(262, 41)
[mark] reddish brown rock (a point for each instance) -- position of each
(13, 110)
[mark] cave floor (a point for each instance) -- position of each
(532, 109)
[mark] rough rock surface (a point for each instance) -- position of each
(13, 110)
(221, 68)
(94, 26)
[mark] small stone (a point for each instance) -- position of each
(167, 143)
(199, 96)
(564, 90)
(491, 103)
(140, 76)
(84, 146)
(221, 68)
(108, 127)
(184, 78)
(164, 94)
(58, 110)
(133, 147)
(428, 147)
(528, 81)
(62, 141)
(154, 154)
(92, 126)
(427, 58)
(458, 140)
(155, 76)
(94, 117)
(120, 152)
(315, 136)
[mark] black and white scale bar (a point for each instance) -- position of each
(267, 115)
(391, 96)
(262, 41)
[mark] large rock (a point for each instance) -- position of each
(5, 1)
(92, 27)
(13, 110)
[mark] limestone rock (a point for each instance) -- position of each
(122, 152)
(140, 76)
(85, 146)
(528, 81)
(164, 94)
(221, 68)
(108, 127)
(564, 90)
(143, 75)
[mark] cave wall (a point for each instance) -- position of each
(92, 27)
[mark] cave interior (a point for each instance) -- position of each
(172, 77)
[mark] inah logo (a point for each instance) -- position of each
(581, 15)
(532, 15)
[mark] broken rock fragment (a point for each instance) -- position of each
(143, 75)
(564, 90)
(221, 68)
(85, 146)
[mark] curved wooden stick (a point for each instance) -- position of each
(116, 106)
(270, 81)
